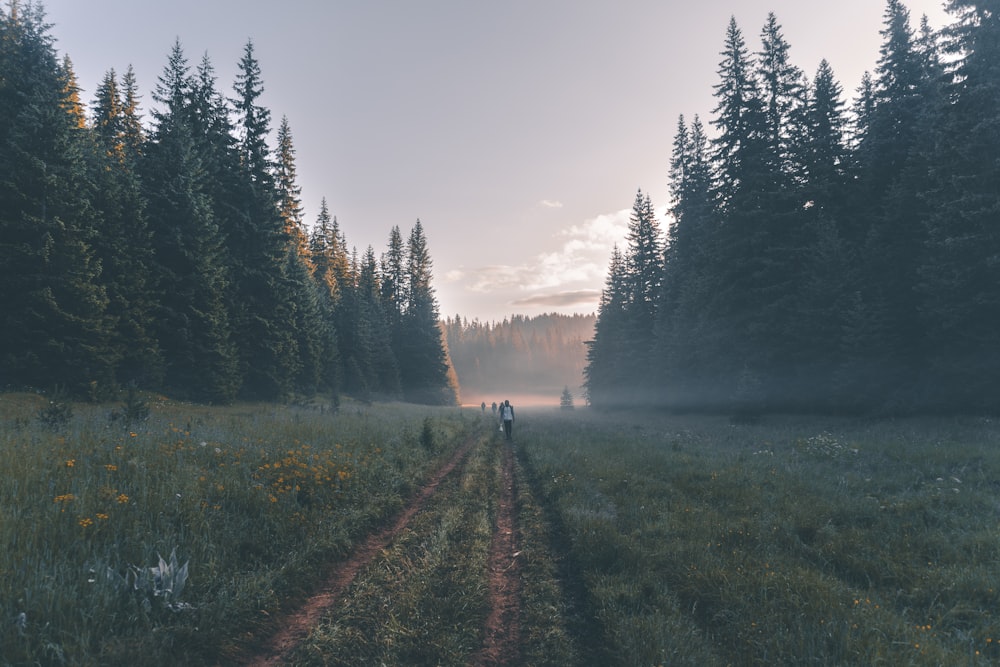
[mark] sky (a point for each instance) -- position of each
(517, 131)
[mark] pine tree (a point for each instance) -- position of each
(323, 274)
(827, 282)
(372, 362)
(423, 362)
(826, 157)
(739, 248)
(133, 136)
(319, 251)
(313, 331)
(338, 278)
(289, 192)
(784, 96)
(193, 321)
(686, 345)
(895, 229)
(328, 254)
(780, 228)
(961, 279)
(394, 295)
(645, 260)
(125, 242)
(892, 124)
(265, 312)
(644, 275)
(604, 379)
(566, 399)
(55, 328)
(862, 110)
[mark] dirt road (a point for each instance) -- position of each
(501, 630)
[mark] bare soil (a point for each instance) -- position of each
(503, 630)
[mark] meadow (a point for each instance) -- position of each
(794, 541)
(186, 536)
(253, 501)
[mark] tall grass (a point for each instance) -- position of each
(255, 498)
(644, 540)
(424, 599)
(795, 541)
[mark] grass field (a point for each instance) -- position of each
(795, 541)
(257, 499)
(641, 539)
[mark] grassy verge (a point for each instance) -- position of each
(256, 499)
(793, 541)
(555, 625)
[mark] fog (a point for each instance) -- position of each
(518, 399)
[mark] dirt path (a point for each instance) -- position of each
(503, 630)
(297, 626)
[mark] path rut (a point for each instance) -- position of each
(503, 629)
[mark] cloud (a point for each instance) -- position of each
(548, 203)
(576, 267)
(603, 231)
(561, 299)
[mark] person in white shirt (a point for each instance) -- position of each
(507, 415)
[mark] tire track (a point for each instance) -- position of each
(296, 627)
(503, 625)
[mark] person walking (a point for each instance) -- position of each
(507, 414)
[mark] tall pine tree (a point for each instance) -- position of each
(55, 327)
(644, 274)
(125, 243)
(961, 278)
(423, 362)
(604, 377)
(257, 239)
(687, 340)
(894, 243)
(739, 248)
(193, 322)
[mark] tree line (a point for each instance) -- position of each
(173, 255)
(820, 255)
(522, 355)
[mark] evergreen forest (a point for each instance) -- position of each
(169, 252)
(522, 357)
(822, 254)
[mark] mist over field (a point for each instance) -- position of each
(519, 400)
(526, 360)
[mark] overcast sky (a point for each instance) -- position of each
(517, 131)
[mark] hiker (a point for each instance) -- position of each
(484, 407)
(494, 408)
(507, 414)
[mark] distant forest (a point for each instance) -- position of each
(171, 255)
(537, 356)
(820, 256)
